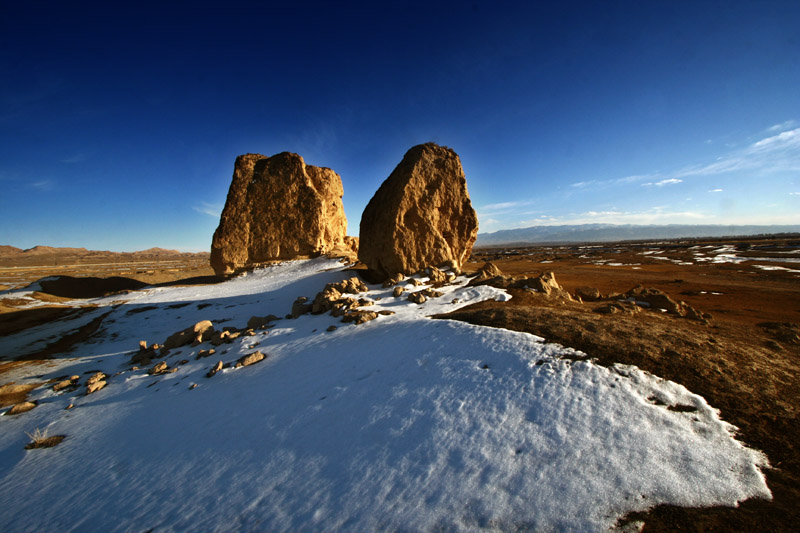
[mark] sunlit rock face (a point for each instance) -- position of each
(278, 208)
(420, 216)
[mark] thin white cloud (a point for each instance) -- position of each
(506, 206)
(782, 126)
(77, 158)
(715, 190)
(601, 184)
(212, 210)
(794, 194)
(662, 183)
(779, 152)
(43, 185)
(654, 215)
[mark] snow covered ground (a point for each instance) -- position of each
(402, 423)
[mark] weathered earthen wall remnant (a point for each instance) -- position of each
(278, 208)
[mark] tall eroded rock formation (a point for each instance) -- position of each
(420, 216)
(278, 208)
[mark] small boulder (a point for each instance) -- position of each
(159, 368)
(205, 353)
(417, 297)
(359, 317)
(394, 280)
(300, 307)
(249, 359)
(223, 337)
(487, 271)
(257, 322)
(398, 291)
(20, 408)
(588, 294)
(94, 378)
(72, 382)
(216, 368)
(198, 333)
(95, 386)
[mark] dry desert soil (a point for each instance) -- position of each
(745, 359)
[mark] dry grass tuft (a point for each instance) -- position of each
(39, 439)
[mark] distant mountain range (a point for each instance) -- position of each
(625, 232)
(49, 255)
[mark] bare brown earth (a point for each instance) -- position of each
(64, 274)
(19, 267)
(745, 362)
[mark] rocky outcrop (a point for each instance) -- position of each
(278, 208)
(420, 216)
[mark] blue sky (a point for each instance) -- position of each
(120, 122)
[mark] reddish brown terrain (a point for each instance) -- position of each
(20, 267)
(82, 273)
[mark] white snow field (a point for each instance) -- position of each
(404, 423)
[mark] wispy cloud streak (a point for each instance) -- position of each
(212, 210)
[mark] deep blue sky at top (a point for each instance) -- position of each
(120, 122)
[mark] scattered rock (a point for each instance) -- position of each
(278, 208)
(95, 386)
(300, 307)
(193, 386)
(72, 382)
(94, 378)
(487, 271)
(398, 291)
(205, 353)
(417, 297)
(250, 359)
(394, 280)
(588, 294)
(258, 322)
(435, 275)
(421, 215)
(216, 368)
(219, 338)
(359, 317)
(331, 328)
(20, 408)
(332, 297)
(656, 298)
(200, 332)
(159, 368)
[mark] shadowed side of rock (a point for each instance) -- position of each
(420, 216)
(278, 208)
